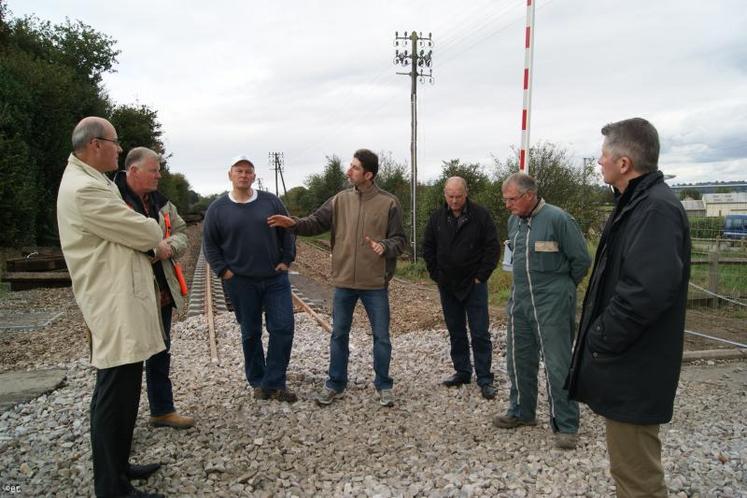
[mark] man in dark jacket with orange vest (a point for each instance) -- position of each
(138, 185)
(461, 249)
(627, 356)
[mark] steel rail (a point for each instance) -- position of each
(209, 317)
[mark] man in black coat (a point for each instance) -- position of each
(461, 251)
(626, 361)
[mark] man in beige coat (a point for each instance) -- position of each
(105, 245)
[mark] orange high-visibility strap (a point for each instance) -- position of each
(177, 267)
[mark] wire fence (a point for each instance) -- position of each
(717, 297)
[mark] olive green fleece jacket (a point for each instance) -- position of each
(350, 216)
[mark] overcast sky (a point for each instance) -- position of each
(315, 78)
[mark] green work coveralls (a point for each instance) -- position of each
(549, 260)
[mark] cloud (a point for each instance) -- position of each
(313, 79)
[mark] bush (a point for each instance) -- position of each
(706, 227)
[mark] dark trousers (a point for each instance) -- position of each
(473, 309)
(251, 296)
(160, 393)
(114, 405)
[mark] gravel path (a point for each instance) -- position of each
(434, 442)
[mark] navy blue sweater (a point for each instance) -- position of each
(236, 237)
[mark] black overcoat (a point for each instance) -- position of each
(627, 357)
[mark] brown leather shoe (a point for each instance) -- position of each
(511, 422)
(172, 420)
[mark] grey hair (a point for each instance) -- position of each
(139, 154)
(456, 179)
(523, 182)
(85, 131)
(637, 139)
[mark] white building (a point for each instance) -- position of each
(723, 204)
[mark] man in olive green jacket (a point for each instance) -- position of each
(105, 243)
(366, 234)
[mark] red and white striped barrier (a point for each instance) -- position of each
(528, 71)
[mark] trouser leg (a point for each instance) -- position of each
(522, 361)
(482, 348)
(339, 342)
(278, 306)
(376, 303)
(159, 388)
(114, 406)
(246, 296)
(556, 316)
(635, 459)
(456, 323)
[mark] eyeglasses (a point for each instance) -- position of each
(115, 141)
(513, 199)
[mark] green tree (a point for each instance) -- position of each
(42, 96)
(18, 195)
(326, 184)
(690, 193)
(137, 126)
(176, 187)
(202, 204)
(295, 201)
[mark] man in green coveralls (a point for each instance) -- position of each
(549, 260)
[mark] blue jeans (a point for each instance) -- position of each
(376, 303)
(251, 296)
(160, 394)
(456, 314)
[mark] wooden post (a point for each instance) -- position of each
(713, 273)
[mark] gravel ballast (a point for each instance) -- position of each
(435, 441)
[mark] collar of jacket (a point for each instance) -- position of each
(638, 190)
(88, 169)
(537, 208)
(367, 194)
(465, 210)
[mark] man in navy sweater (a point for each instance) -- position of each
(253, 260)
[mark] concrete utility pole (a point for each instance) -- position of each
(420, 67)
(276, 162)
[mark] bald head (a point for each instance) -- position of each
(456, 182)
(455, 194)
(95, 143)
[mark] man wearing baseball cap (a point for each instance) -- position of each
(253, 260)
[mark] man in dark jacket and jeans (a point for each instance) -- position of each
(626, 362)
(461, 251)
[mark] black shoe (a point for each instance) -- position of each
(456, 380)
(488, 391)
(135, 471)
